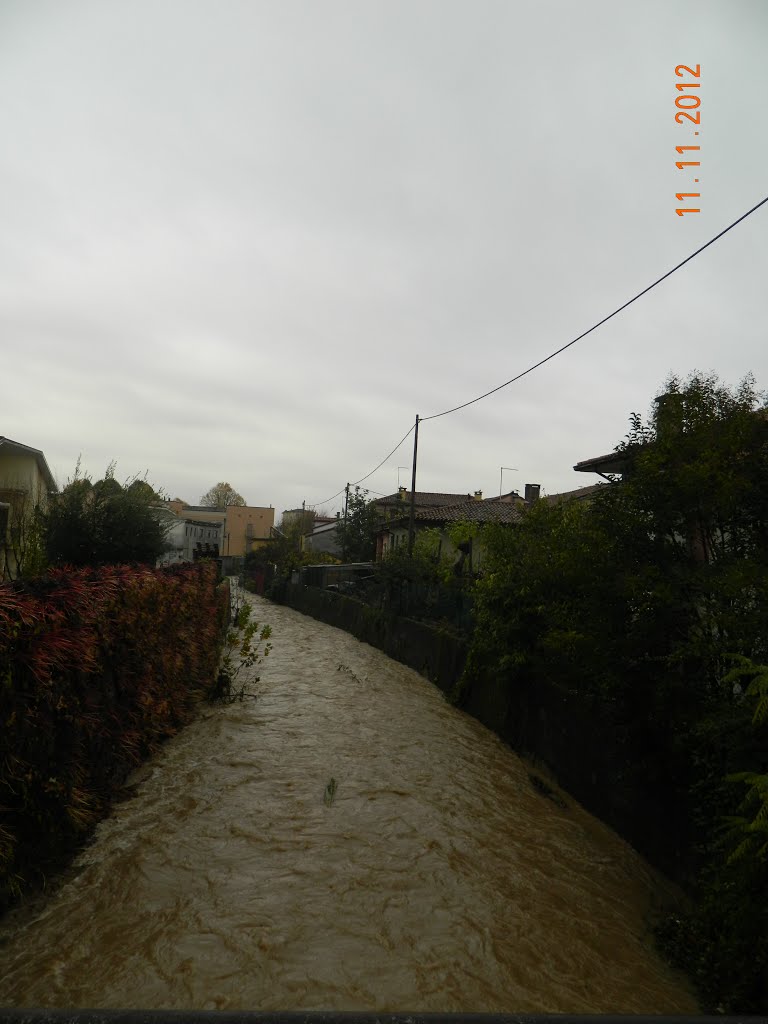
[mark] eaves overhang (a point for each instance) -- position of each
(615, 464)
(14, 448)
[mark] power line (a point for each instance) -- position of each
(402, 441)
(552, 355)
(354, 483)
(321, 503)
(541, 362)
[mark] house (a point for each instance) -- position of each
(506, 509)
(298, 520)
(245, 528)
(173, 531)
(392, 508)
(394, 533)
(324, 536)
(26, 482)
(189, 539)
(393, 504)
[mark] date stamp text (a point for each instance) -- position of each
(688, 103)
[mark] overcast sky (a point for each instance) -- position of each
(250, 241)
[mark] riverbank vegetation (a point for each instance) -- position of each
(98, 666)
(246, 645)
(651, 602)
(624, 639)
(280, 555)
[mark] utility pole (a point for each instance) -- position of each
(413, 490)
(344, 535)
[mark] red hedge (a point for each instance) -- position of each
(97, 667)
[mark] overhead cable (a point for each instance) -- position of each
(354, 483)
(552, 355)
(557, 352)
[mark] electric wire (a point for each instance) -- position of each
(354, 483)
(552, 355)
(557, 352)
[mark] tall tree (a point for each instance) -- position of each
(221, 495)
(357, 530)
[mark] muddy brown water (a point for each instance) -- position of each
(431, 876)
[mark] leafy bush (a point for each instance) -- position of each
(97, 668)
(637, 601)
(245, 645)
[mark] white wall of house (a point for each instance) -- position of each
(19, 472)
(324, 538)
(24, 486)
(183, 537)
(174, 538)
(207, 538)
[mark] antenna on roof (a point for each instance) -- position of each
(509, 469)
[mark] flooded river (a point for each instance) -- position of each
(429, 875)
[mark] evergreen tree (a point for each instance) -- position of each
(104, 522)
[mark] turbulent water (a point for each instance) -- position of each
(428, 876)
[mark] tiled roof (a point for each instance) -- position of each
(615, 462)
(474, 511)
(470, 511)
(578, 495)
(431, 499)
(510, 496)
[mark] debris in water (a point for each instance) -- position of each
(546, 790)
(330, 792)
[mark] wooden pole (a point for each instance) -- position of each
(413, 490)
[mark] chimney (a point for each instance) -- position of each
(478, 495)
(532, 492)
(401, 492)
